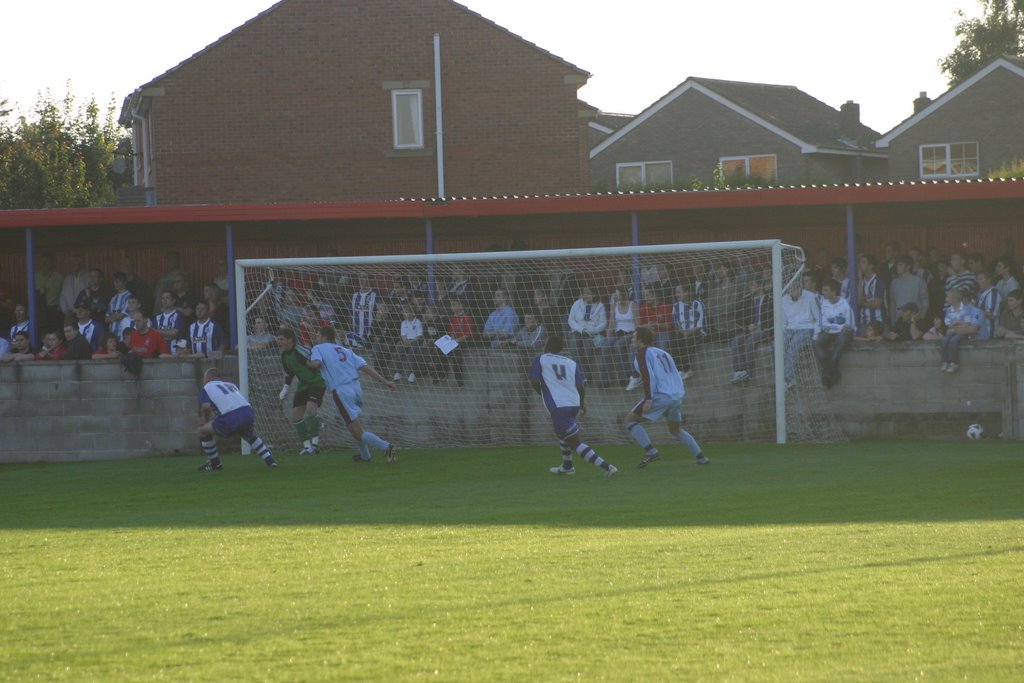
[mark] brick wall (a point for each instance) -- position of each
(989, 113)
(292, 108)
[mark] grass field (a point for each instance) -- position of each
(850, 562)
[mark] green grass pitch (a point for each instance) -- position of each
(850, 562)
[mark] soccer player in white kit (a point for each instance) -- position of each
(224, 411)
(663, 397)
(559, 381)
(340, 368)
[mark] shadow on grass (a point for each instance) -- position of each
(744, 485)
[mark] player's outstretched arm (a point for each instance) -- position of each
(376, 375)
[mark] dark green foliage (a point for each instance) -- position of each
(999, 31)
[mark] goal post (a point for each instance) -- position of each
(479, 394)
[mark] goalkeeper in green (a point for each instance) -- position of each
(308, 397)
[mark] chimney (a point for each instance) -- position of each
(849, 120)
(921, 102)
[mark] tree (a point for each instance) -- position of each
(999, 31)
(64, 157)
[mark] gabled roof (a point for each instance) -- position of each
(784, 110)
(128, 104)
(1014, 65)
(607, 122)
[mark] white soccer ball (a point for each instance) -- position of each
(975, 431)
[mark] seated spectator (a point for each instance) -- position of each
(1011, 320)
(170, 323)
(990, 301)
(689, 329)
(116, 318)
(623, 280)
(261, 338)
(937, 331)
(204, 335)
(907, 326)
(21, 322)
(803, 318)
(458, 285)
(111, 348)
(460, 328)
(431, 361)
(78, 347)
(502, 322)
(409, 346)
(617, 359)
(836, 331)
(5, 346)
(873, 331)
(20, 349)
(91, 330)
(94, 297)
(754, 319)
(53, 347)
(587, 320)
(963, 321)
(1006, 276)
(530, 337)
(145, 341)
(548, 316)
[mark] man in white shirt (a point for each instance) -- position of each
(834, 333)
(560, 381)
(663, 398)
(800, 309)
(587, 320)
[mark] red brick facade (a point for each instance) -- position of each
(295, 106)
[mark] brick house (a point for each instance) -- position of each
(328, 100)
(967, 132)
(776, 133)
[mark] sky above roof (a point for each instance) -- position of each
(880, 54)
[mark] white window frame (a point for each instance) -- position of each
(949, 165)
(417, 118)
(642, 165)
(746, 164)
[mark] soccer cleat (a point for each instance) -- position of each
(647, 460)
(611, 471)
(702, 460)
(397, 377)
(390, 454)
(357, 457)
(271, 463)
(561, 470)
(210, 466)
(634, 382)
(412, 378)
(307, 450)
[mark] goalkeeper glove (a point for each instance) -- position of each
(284, 392)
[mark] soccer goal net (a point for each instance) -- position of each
(702, 301)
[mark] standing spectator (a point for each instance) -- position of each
(144, 341)
(919, 265)
(460, 328)
(261, 338)
(1006, 279)
(872, 293)
(88, 328)
(19, 349)
(135, 284)
(754, 318)
(803, 319)
(1011, 321)
(21, 321)
(205, 335)
(72, 285)
(134, 304)
(689, 328)
(458, 286)
(409, 346)
(587, 320)
(963, 321)
(48, 283)
(184, 300)
(78, 347)
(110, 348)
(975, 262)
(503, 321)
(839, 274)
(959, 277)
(166, 281)
(6, 303)
(217, 305)
(95, 296)
(309, 326)
(892, 255)
(117, 319)
(835, 334)
(169, 321)
(221, 278)
(53, 347)
(990, 301)
(907, 287)
(364, 311)
(548, 316)
(907, 326)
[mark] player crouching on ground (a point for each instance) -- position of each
(663, 397)
(559, 381)
(231, 415)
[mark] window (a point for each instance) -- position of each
(762, 166)
(407, 117)
(643, 175)
(953, 160)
